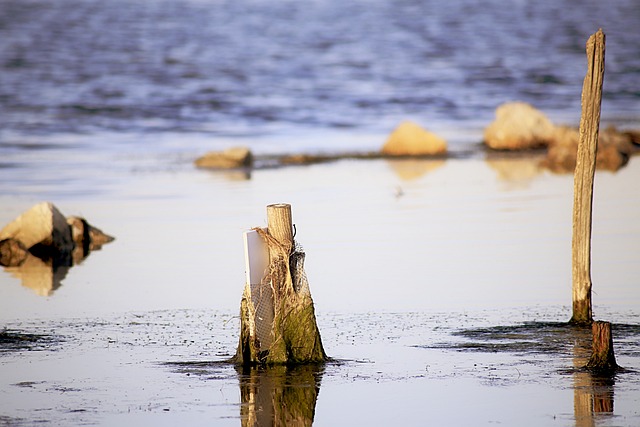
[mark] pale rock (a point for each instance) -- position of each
(518, 126)
(44, 225)
(409, 139)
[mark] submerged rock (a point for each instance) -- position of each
(235, 157)
(518, 126)
(409, 139)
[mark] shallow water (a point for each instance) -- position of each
(442, 287)
(425, 296)
(165, 367)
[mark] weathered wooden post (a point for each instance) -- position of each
(603, 360)
(277, 316)
(583, 180)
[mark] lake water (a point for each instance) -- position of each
(442, 287)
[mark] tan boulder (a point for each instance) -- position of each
(614, 150)
(43, 225)
(409, 139)
(518, 126)
(235, 157)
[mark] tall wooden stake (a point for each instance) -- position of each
(583, 180)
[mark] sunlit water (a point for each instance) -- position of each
(404, 258)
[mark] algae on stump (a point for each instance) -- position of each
(292, 336)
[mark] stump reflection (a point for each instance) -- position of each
(279, 395)
(593, 393)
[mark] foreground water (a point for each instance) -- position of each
(442, 289)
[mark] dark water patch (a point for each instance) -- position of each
(11, 341)
(533, 337)
(206, 369)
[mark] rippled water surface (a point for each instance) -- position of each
(249, 67)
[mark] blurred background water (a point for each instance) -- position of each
(257, 68)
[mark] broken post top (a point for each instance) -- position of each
(279, 224)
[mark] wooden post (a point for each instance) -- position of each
(280, 225)
(583, 180)
(602, 359)
(277, 316)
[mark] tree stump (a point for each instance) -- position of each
(583, 180)
(602, 360)
(278, 322)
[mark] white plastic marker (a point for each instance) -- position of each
(256, 257)
(257, 262)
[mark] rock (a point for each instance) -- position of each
(518, 126)
(12, 253)
(42, 225)
(614, 150)
(235, 157)
(44, 232)
(86, 235)
(409, 139)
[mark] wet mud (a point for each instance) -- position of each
(165, 366)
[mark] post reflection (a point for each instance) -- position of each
(279, 395)
(593, 394)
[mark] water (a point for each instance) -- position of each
(441, 286)
(255, 67)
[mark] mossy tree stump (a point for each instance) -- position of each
(278, 323)
(603, 360)
(583, 180)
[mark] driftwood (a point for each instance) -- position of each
(583, 180)
(277, 317)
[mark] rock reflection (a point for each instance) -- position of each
(518, 172)
(40, 245)
(410, 169)
(41, 276)
(593, 394)
(279, 395)
(44, 274)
